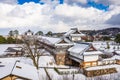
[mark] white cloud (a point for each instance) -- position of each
(54, 17)
(114, 20)
(9, 1)
(76, 1)
(108, 2)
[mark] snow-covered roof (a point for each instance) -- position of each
(49, 40)
(117, 51)
(29, 31)
(19, 69)
(65, 39)
(112, 58)
(67, 42)
(14, 49)
(26, 71)
(78, 48)
(81, 34)
(3, 47)
(93, 53)
(6, 70)
(116, 57)
(81, 49)
(71, 31)
(9, 60)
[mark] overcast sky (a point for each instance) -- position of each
(58, 15)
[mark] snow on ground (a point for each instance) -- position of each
(46, 61)
(3, 47)
(55, 76)
(79, 77)
(49, 61)
(42, 74)
(100, 45)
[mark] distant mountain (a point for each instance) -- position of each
(109, 31)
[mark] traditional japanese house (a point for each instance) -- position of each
(84, 54)
(14, 52)
(58, 48)
(75, 35)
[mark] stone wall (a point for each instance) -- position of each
(60, 58)
(99, 72)
(68, 61)
(118, 62)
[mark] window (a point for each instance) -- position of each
(18, 67)
(99, 63)
(87, 64)
(94, 64)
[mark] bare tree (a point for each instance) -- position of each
(32, 50)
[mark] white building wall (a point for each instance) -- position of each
(91, 58)
(76, 38)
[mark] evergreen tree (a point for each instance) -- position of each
(106, 38)
(108, 46)
(39, 33)
(49, 33)
(16, 32)
(10, 40)
(2, 40)
(117, 38)
(11, 33)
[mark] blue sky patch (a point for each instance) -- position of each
(98, 6)
(36, 1)
(23, 1)
(61, 1)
